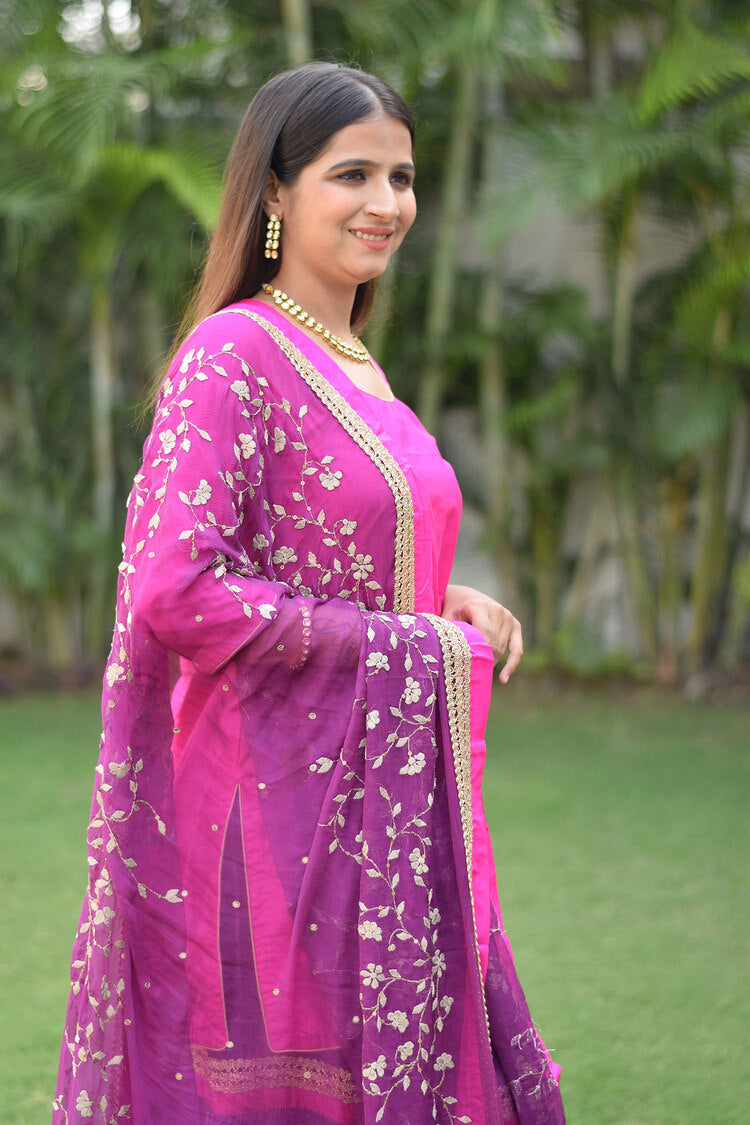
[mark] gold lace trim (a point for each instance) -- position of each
(457, 670)
(235, 1076)
(357, 428)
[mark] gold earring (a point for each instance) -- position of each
(273, 234)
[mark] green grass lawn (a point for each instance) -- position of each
(621, 835)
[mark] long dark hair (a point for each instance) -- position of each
(287, 125)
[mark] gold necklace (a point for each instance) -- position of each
(353, 351)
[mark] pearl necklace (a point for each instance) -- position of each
(351, 351)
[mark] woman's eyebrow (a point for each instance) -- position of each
(406, 164)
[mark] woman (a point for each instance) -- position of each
(292, 913)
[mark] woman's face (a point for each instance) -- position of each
(348, 211)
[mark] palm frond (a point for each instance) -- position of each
(86, 101)
(575, 163)
(514, 37)
(717, 287)
(554, 402)
(30, 191)
(191, 178)
(691, 64)
(18, 19)
(690, 418)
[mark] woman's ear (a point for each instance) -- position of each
(271, 201)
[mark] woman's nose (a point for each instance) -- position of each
(383, 202)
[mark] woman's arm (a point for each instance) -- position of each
(497, 624)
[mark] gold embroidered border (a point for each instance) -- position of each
(457, 672)
(235, 1076)
(357, 428)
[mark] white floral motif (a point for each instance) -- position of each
(348, 527)
(378, 661)
(412, 691)
(370, 930)
(416, 859)
(405, 1050)
(168, 441)
(398, 1020)
(284, 555)
(202, 493)
(330, 479)
(373, 718)
(444, 1061)
(415, 764)
(362, 567)
(372, 975)
(103, 914)
(247, 444)
(375, 1069)
(84, 1104)
(241, 390)
(114, 672)
(259, 542)
(438, 961)
(279, 440)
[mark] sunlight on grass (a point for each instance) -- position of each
(621, 840)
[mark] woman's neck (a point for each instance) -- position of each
(333, 308)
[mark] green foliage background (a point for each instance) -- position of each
(623, 412)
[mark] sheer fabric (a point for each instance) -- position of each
(291, 914)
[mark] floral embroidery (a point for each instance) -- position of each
(391, 1002)
(370, 930)
(415, 1007)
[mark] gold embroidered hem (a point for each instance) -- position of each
(369, 443)
(233, 1076)
(457, 671)
(457, 665)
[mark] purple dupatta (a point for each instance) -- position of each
(279, 925)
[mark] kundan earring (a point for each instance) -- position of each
(273, 234)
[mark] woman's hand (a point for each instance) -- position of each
(497, 624)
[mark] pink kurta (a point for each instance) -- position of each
(292, 916)
(437, 516)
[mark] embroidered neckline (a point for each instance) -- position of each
(369, 443)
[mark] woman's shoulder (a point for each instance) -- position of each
(226, 357)
(236, 328)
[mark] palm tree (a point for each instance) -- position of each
(684, 116)
(69, 166)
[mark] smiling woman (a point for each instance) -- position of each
(292, 916)
(342, 219)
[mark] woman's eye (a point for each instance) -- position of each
(353, 174)
(403, 178)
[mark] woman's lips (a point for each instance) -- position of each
(377, 238)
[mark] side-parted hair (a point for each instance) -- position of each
(287, 126)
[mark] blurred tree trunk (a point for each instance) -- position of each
(454, 206)
(711, 544)
(103, 380)
(733, 616)
(297, 37)
(545, 545)
(599, 530)
(672, 498)
(496, 454)
(627, 477)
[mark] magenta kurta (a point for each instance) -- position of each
(292, 915)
